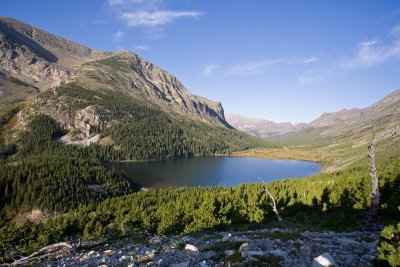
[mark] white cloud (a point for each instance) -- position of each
(375, 51)
(148, 19)
(208, 69)
(372, 53)
(256, 67)
(118, 36)
(142, 48)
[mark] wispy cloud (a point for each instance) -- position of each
(148, 13)
(306, 60)
(375, 51)
(395, 31)
(142, 48)
(118, 36)
(155, 18)
(208, 69)
(251, 68)
(257, 67)
(125, 2)
(314, 75)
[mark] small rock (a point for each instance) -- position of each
(182, 264)
(208, 254)
(348, 241)
(324, 260)
(191, 248)
(227, 237)
(244, 247)
(229, 252)
(241, 239)
(277, 252)
(204, 264)
(255, 253)
(107, 252)
(155, 240)
(113, 260)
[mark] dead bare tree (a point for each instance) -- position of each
(274, 208)
(372, 215)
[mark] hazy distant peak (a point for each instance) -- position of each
(261, 127)
(332, 118)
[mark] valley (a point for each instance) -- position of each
(99, 147)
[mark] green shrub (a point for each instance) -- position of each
(389, 248)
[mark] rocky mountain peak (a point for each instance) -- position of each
(44, 60)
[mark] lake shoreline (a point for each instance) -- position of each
(216, 170)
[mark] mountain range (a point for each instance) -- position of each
(43, 61)
(261, 127)
(339, 139)
(99, 97)
(384, 113)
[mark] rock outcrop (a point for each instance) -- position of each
(249, 248)
(91, 119)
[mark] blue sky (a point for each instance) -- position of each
(278, 60)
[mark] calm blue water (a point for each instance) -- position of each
(214, 171)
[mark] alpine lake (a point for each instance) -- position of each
(213, 171)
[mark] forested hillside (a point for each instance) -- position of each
(335, 201)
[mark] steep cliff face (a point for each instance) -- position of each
(43, 61)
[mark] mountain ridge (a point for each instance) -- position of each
(43, 60)
(261, 127)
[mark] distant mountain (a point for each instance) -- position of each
(261, 127)
(330, 119)
(342, 137)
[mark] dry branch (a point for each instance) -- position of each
(372, 215)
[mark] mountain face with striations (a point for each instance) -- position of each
(32, 61)
(261, 127)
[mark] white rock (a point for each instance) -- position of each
(324, 260)
(191, 248)
(244, 247)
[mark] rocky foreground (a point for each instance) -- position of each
(269, 247)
